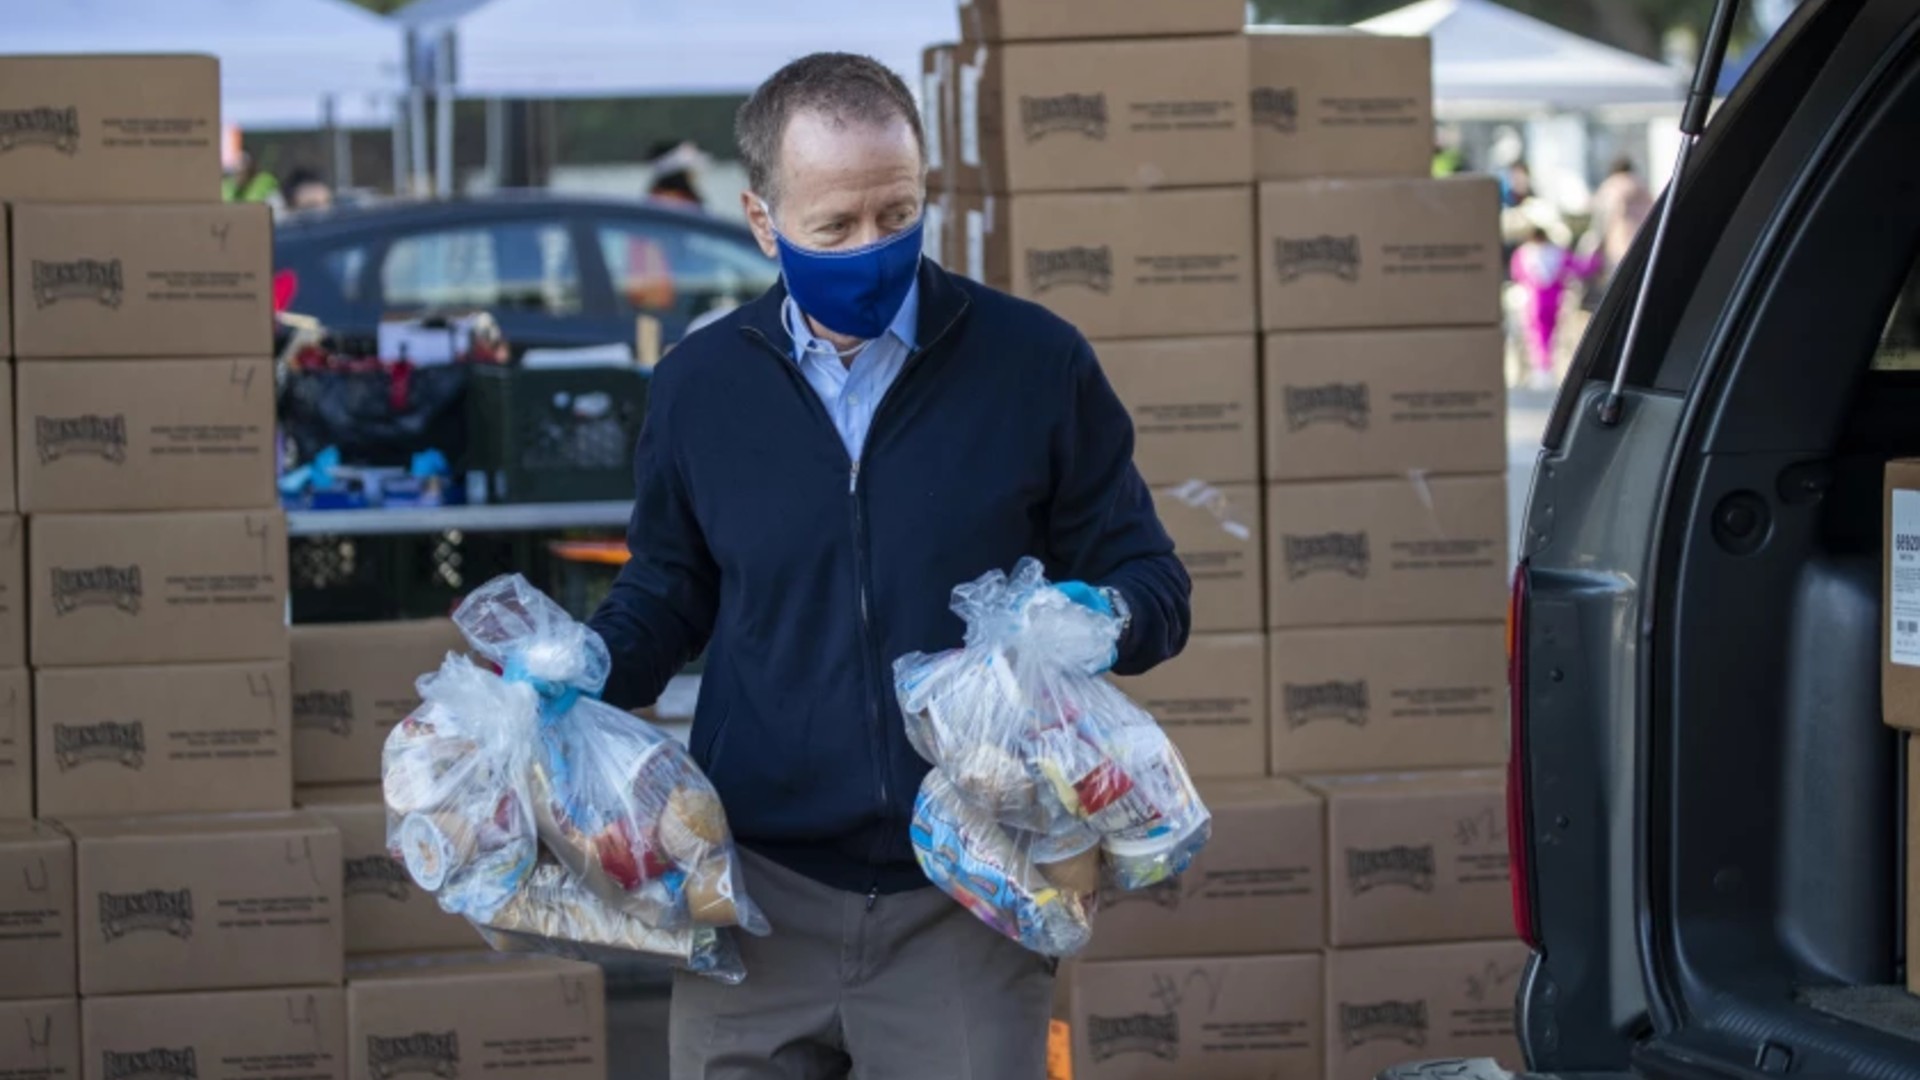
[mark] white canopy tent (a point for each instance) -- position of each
(284, 64)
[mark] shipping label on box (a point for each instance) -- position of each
(191, 738)
(478, 1015)
(110, 128)
(1258, 887)
(208, 902)
(1371, 254)
(146, 435)
(1022, 20)
(1356, 403)
(1388, 1006)
(1185, 1018)
(385, 911)
(37, 912)
(13, 592)
(1195, 405)
(1416, 857)
(1368, 698)
(40, 1039)
(1154, 264)
(1417, 550)
(1103, 115)
(281, 1034)
(1340, 103)
(351, 684)
(16, 744)
(1219, 534)
(1900, 593)
(1211, 701)
(103, 281)
(112, 589)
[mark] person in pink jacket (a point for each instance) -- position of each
(1544, 269)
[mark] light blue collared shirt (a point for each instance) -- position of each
(852, 393)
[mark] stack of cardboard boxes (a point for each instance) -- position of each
(170, 913)
(1304, 327)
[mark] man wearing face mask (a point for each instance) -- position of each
(818, 470)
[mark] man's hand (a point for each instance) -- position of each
(1104, 601)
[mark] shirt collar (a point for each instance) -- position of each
(904, 328)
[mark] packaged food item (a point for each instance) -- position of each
(1048, 783)
(553, 822)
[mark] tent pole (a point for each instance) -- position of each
(399, 131)
(443, 122)
(496, 142)
(417, 136)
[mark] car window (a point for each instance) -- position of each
(345, 267)
(517, 266)
(668, 268)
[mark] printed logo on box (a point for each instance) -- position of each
(75, 745)
(1331, 256)
(377, 875)
(1083, 114)
(1276, 107)
(330, 711)
(420, 1054)
(1336, 700)
(97, 586)
(82, 279)
(1383, 1021)
(1327, 553)
(1086, 267)
(1399, 866)
(1155, 1034)
(158, 910)
(1348, 404)
(160, 1063)
(42, 126)
(90, 435)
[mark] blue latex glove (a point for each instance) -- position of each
(1092, 599)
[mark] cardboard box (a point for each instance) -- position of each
(9, 491)
(1358, 403)
(1330, 102)
(1195, 404)
(477, 1015)
(207, 902)
(937, 103)
(1426, 549)
(284, 1034)
(352, 682)
(1219, 534)
(110, 128)
(1251, 1016)
(1102, 115)
(181, 739)
(1260, 886)
(1369, 254)
(16, 744)
(1913, 855)
(40, 1040)
(13, 592)
(142, 281)
(1417, 857)
(146, 435)
(37, 912)
(1022, 20)
(158, 588)
(1389, 1006)
(1211, 701)
(1389, 697)
(1900, 662)
(385, 911)
(1152, 264)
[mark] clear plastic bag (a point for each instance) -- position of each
(543, 815)
(1047, 779)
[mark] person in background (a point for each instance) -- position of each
(672, 164)
(1543, 270)
(249, 183)
(817, 471)
(1621, 204)
(1516, 184)
(305, 190)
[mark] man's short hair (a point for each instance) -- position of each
(846, 88)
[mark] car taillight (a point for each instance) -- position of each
(286, 286)
(1518, 831)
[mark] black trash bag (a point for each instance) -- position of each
(378, 418)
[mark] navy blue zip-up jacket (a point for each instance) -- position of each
(806, 574)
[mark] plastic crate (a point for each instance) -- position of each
(555, 434)
(343, 579)
(436, 571)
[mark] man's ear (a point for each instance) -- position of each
(760, 223)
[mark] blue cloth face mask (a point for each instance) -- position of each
(856, 292)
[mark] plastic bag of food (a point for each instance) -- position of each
(541, 814)
(1083, 786)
